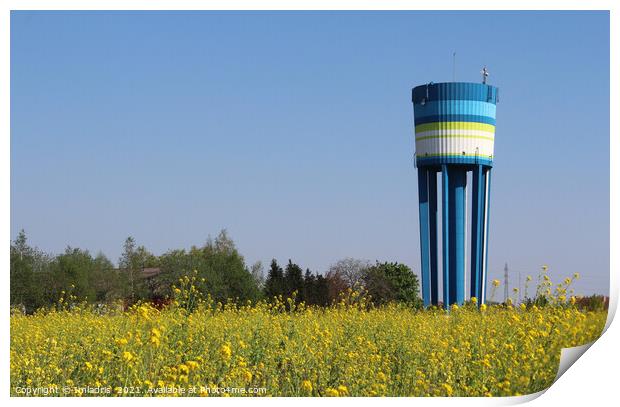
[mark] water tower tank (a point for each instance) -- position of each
(454, 134)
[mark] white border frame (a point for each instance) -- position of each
(591, 381)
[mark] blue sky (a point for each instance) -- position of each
(294, 131)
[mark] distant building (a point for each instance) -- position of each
(149, 272)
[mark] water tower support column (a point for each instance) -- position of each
(432, 225)
(456, 212)
(485, 241)
(445, 226)
(423, 193)
(481, 194)
(427, 191)
(477, 228)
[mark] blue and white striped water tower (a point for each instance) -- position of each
(454, 134)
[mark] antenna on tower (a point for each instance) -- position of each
(454, 66)
(485, 74)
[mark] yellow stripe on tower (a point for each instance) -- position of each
(454, 136)
(454, 126)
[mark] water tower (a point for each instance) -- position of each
(454, 134)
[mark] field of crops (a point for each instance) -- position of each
(198, 348)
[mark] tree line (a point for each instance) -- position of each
(39, 279)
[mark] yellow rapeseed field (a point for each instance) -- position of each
(349, 349)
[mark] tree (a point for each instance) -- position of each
(132, 261)
(257, 274)
(350, 270)
(29, 274)
(293, 279)
(336, 285)
(175, 264)
(20, 245)
(228, 270)
(128, 263)
(106, 281)
(387, 282)
(274, 285)
(315, 290)
(220, 269)
(38, 279)
(321, 291)
(223, 243)
(308, 287)
(21, 274)
(72, 272)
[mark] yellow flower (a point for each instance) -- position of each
(496, 283)
(235, 344)
(127, 356)
(331, 392)
(225, 352)
(144, 312)
(155, 340)
(306, 386)
(193, 365)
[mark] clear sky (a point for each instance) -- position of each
(294, 131)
